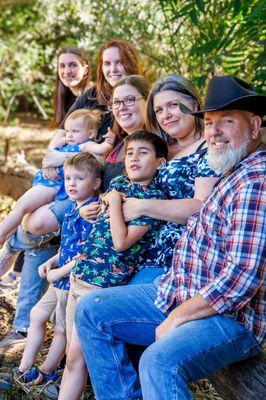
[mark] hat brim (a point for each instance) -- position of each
(252, 103)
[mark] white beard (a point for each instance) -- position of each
(221, 161)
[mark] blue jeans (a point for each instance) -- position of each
(37, 251)
(146, 275)
(32, 285)
(108, 319)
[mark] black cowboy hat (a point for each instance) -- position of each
(229, 93)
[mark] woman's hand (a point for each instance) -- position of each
(57, 136)
(110, 137)
(131, 208)
(54, 159)
(61, 142)
(51, 173)
(90, 212)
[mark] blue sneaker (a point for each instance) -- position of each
(50, 377)
(32, 377)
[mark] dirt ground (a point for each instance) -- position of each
(30, 140)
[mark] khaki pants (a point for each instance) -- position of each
(54, 302)
(78, 288)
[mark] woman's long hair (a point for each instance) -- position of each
(142, 86)
(186, 89)
(63, 96)
(130, 61)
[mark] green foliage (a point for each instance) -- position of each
(197, 38)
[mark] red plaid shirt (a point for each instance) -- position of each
(221, 254)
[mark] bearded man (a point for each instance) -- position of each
(208, 310)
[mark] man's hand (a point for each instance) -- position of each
(194, 308)
(167, 326)
(90, 212)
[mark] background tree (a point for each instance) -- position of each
(197, 38)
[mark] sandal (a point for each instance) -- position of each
(13, 281)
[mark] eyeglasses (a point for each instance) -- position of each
(128, 101)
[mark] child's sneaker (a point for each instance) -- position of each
(50, 377)
(32, 377)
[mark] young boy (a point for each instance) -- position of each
(82, 181)
(81, 126)
(114, 247)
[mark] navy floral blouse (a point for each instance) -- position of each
(177, 181)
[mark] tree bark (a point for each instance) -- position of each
(16, 176)
(242, 381)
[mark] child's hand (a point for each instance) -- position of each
(61, 142)
(51, 173)
(90, 212)
(46, 267)
(53, 275)
(110, 137)
(110, 197)
(42, 271)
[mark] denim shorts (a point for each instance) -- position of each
(58, 208)
(22, 240)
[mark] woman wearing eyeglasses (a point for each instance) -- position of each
(185, 179)
(117, 59)
(128, 105)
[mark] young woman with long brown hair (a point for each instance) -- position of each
(72, 80)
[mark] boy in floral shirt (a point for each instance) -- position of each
(114, 247)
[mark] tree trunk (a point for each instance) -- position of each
(245, 380)
(16, 177)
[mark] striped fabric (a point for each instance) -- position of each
(221, 255)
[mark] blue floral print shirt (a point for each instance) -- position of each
(100, 264)
(177, 180)
(75, 231)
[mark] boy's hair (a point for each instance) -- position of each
(87, 161)
(92, 118)
(159, 145)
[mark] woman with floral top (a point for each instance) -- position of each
(185, 179)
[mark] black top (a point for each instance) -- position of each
(89, 100)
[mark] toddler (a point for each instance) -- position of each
(81, 127)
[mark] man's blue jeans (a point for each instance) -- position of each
(109, 318)
(32, 286)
